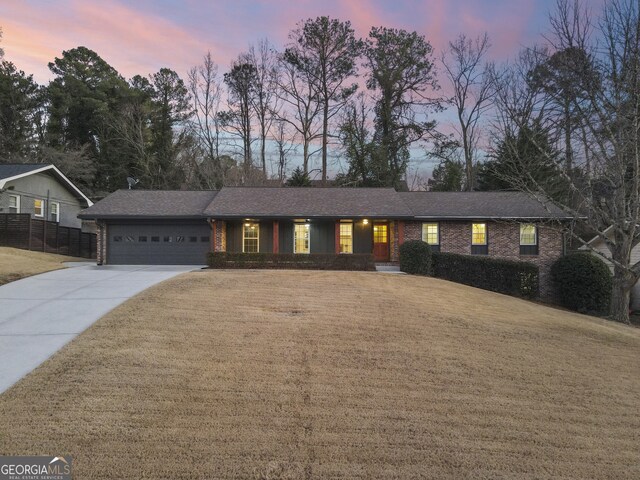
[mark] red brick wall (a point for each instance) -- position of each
(504, 242)
(221, 236)
(101, 243)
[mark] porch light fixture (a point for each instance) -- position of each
(365, 222)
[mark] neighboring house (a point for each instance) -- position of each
(598, 244)
(173, 227)
(42, 191)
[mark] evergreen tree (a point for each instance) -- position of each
(448, 176)
(526, 159)
(401, 73)
(21, 102)
(299, 179)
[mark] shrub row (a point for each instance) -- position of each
(313, 261)
(519, 279)
(583, 283)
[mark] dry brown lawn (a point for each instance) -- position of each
(16, 264)
(281, 374)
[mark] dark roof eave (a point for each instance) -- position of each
(141, 217)
(302, 215)
(485, 217)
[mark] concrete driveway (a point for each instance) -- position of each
(40, 314)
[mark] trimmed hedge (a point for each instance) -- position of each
(519, 279)
(415, 258)
(583, 283)
(313, 261)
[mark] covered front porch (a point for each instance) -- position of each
(380, 237)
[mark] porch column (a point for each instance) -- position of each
(214, 227)
(337, 240)
(400, 232)
(276, 238)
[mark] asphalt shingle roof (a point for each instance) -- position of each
(479, 205)
(8, 170)
(151, 203)
(257, 202)
(273, 202)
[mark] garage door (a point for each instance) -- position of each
(158, 244)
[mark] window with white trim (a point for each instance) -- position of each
(301, 238)
(250, 237)
(55, 212)
(346, 237)
(430, 233)
(38, 207)
(14, 203)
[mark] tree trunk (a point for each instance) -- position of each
(325, 134)
(305, 156)
(263, 151)
(620, 298)
(567, 139)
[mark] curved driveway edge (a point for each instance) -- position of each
(41, 314)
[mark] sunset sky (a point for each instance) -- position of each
(140, 37)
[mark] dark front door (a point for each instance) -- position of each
(381, 242)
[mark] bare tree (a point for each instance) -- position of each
(264, 101)
(607, 202)
(473, 92)
(325, 50)
(206, 91)
(299, 98)
(238, 120)
(285, 146)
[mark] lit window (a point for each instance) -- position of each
(528, 234)
(14, 204)
(380, 233)
(301, 242)
(430, 233)
(250, 237)
(55, 212)
(346, 237)
(479, 234)
(37, 208)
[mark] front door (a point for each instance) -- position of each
(381, 242)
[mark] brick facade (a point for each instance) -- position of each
(101, 243)
(220, 240)
(503, 240)
(394, 242)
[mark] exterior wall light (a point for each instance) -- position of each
(365, 222)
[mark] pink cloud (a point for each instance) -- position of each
(133, 42)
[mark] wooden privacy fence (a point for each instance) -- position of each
(20, 230)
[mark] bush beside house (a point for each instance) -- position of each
(583, 282)
(519, 279)
(315, 261)
(416, 258)
(514, 278)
